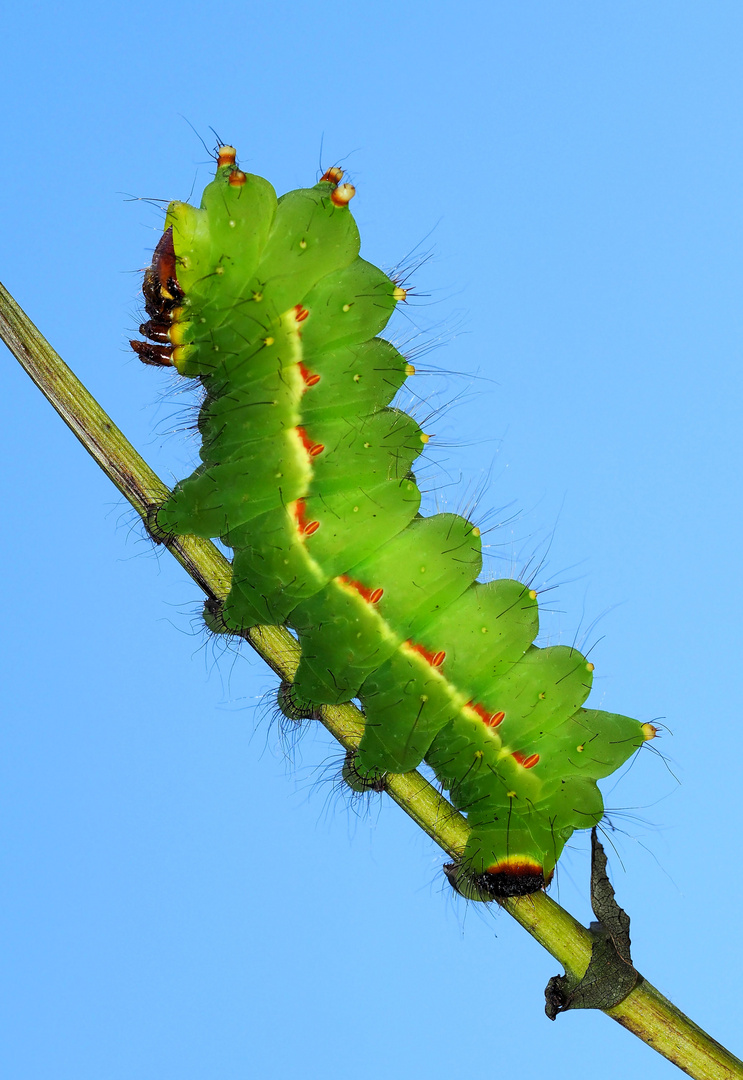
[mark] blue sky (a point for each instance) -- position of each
(182, 901)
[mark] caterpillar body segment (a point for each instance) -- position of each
(306, 473)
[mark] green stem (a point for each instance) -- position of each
(645, 1012)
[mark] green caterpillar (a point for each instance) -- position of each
(306, 474)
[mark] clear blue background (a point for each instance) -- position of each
(179, 901)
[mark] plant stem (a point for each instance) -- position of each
(645, 1012)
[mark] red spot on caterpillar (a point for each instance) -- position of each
(156, 355)
(342, 194)
(300, 313)
(527, 762)
(236, 178)
(307, 528)
(334, 175)
(435, 659)
(372, 596)
(310, 378)
(226, 155)
(488, 718)
(313, 449)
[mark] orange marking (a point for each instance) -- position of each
(300, 313)
(313, 449)
(310, 377)
(372, 596)
(306, 528)
(527, 762)
(435, 659)
(488, 718)
(515, 866)
(236, 178)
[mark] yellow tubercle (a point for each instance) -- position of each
(649, 731)
(226, 155)
(333, 175)
(399, 294)
(342, 195)
(177, 332)
(179, 357)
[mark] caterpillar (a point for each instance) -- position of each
(307, 474)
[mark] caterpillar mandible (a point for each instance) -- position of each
(307, 475)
